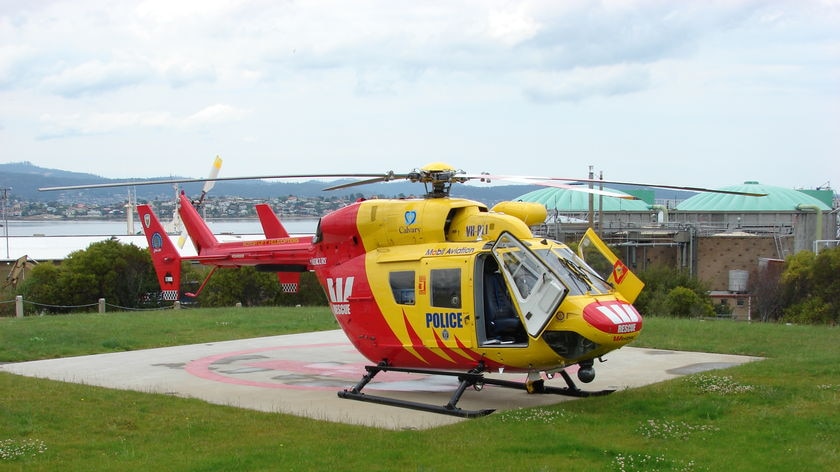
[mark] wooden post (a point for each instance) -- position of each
(101, 305)
(19, 306)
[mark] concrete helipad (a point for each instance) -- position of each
(301, 374)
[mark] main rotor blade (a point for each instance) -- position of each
(576, 188)
(543, 181)
(217, 179)
(387, 178)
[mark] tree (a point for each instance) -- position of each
(245, 285)
(811, 287)
(796, 277)
(660, 281)
(767, 290)
(252, 288)
(310, 294)
(120, 273)
(685, 302)
(41, 285)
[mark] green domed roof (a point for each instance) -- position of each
(777, 199)
(565, 200)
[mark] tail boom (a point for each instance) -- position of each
(280, 253)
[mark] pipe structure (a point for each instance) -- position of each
(664, 210)
(818, 211)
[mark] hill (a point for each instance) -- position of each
(24, 178)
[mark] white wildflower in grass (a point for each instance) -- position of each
(533, 415)
(723, 385)
(648, 463)
(664, 429)
(12, 449)
(829, 387)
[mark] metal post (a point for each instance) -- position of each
(591, 199)
(5, 198)
(601, 206)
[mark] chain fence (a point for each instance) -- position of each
(100, 306)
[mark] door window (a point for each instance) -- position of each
(402, 286)
(446, 288)
(537, 290)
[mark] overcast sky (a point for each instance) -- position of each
(707, 93)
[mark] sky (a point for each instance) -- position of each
(705, 93)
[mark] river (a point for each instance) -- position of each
(91, 227)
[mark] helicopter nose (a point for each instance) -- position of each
(613, 317)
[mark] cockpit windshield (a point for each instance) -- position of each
(573, 271)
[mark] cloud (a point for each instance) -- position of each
(12, 63)
(95, 77)
(513, 25)
(77, 124)
(580, 83)
(213, 114)
(388, 46)
(183, 74)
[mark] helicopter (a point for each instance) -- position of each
(436, 285)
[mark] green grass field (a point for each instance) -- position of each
(779, 414)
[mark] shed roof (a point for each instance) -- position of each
(777, 199)
(573, 201)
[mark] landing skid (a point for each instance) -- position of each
(474, 378)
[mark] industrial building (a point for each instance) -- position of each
(722, 239)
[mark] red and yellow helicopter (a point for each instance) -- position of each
(437, 285)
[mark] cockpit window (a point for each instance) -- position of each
(573, 271)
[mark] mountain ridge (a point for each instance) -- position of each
(25, 178)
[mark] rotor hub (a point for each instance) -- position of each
(440, 176)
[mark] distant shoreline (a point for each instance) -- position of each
(122, 218)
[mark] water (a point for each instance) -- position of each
(120, 227)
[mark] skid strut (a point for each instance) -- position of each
(474, 378)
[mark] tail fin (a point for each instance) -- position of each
(200, 234)
(273, 228)
(165, 256)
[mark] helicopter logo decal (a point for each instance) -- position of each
(340, 290)
(410, 217)
(613, 316)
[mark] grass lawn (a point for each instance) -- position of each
(780, 414)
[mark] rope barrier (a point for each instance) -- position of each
(128, 308)
(101, 305)
(45, 305)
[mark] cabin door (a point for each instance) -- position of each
(536, 290)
